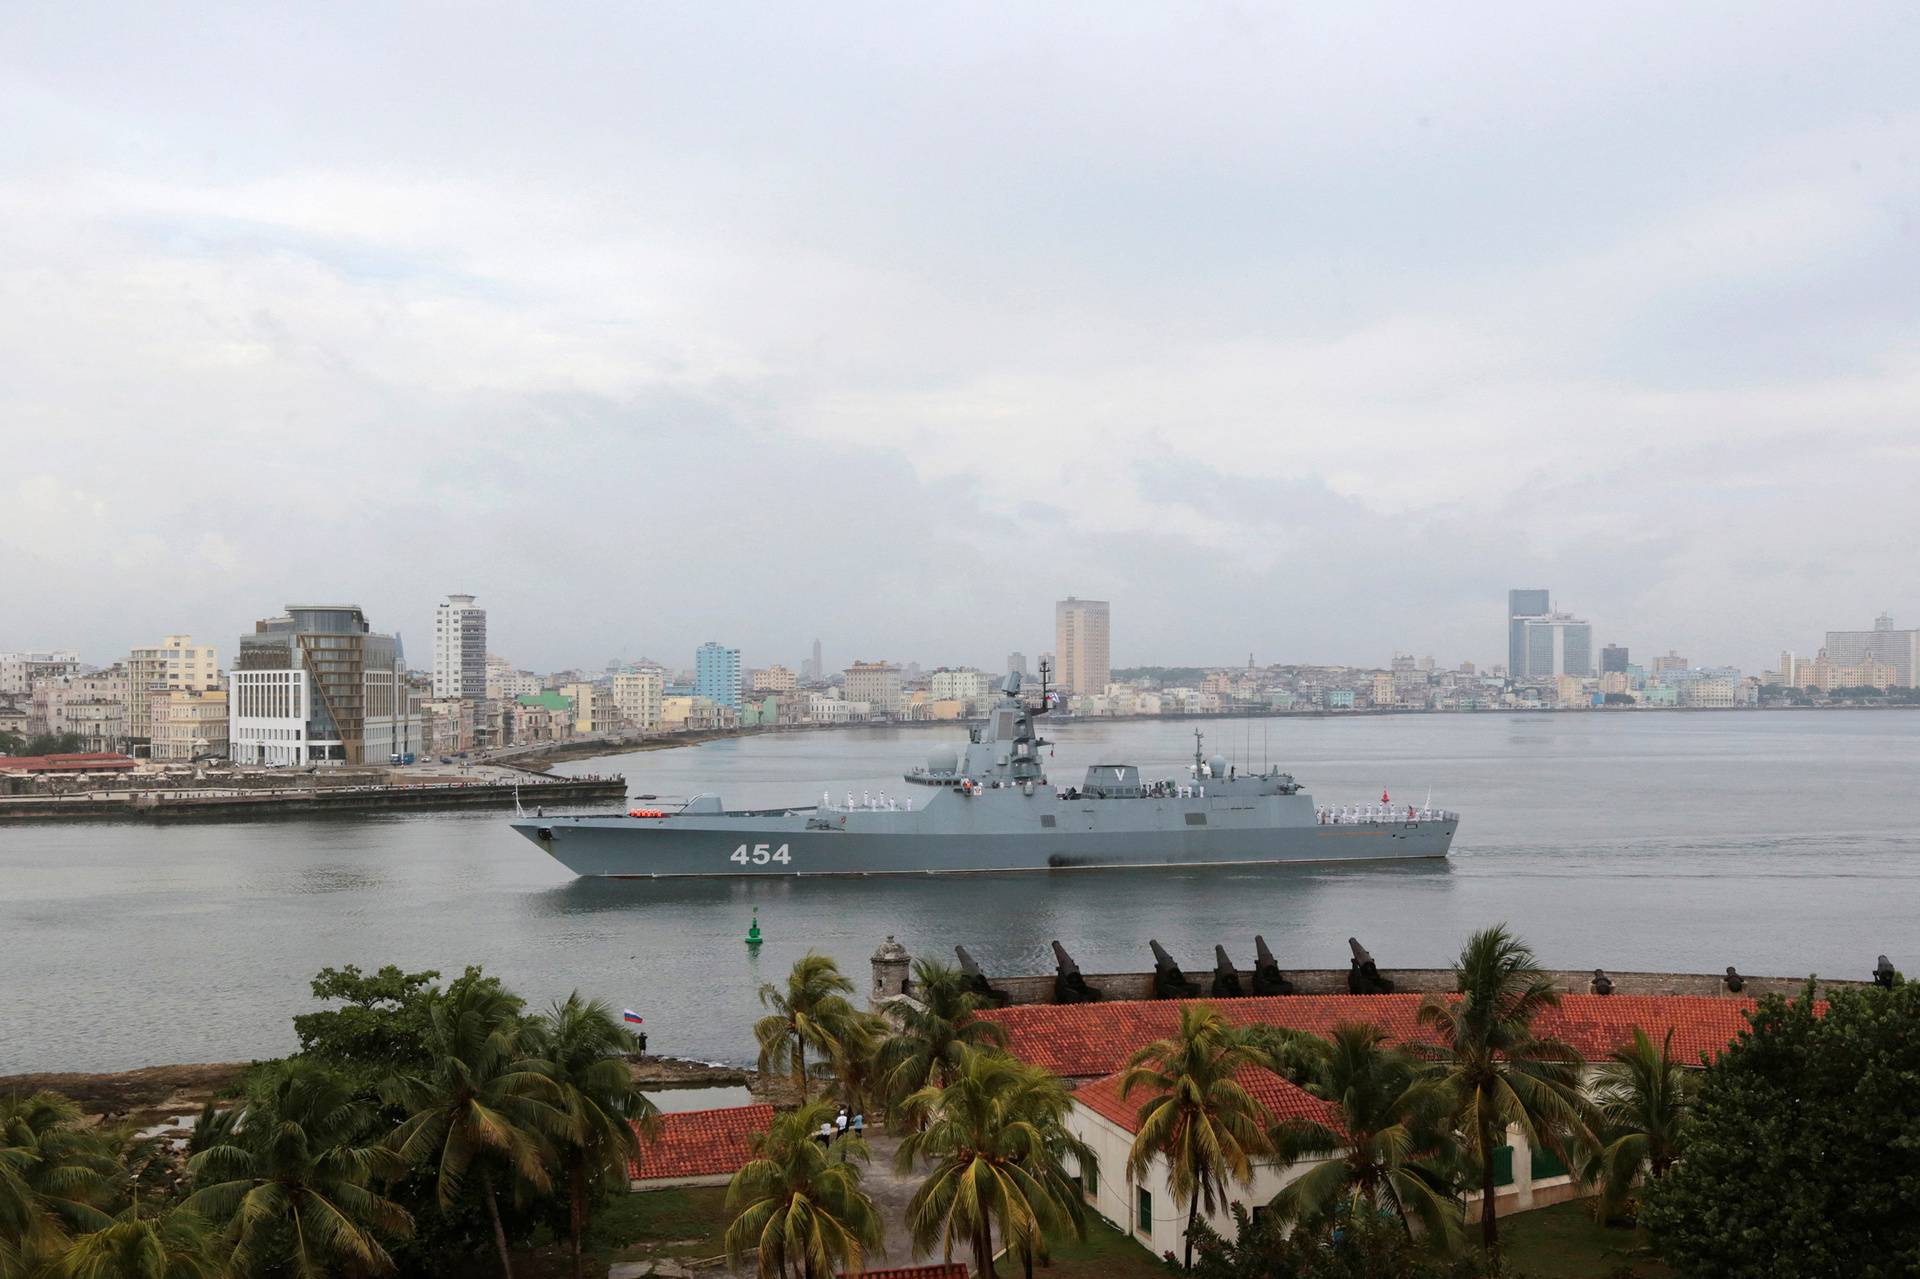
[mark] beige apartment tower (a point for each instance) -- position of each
(1080, 641)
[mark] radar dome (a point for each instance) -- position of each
(1218, 765)
(945, 760)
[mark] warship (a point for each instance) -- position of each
(991, 807)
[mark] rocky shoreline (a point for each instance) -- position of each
(154, 1095)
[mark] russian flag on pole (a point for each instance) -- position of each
(628, 1015)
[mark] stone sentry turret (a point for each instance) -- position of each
(890, 968)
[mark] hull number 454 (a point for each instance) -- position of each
(760, 855)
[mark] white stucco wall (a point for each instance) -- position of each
(1115, 1196)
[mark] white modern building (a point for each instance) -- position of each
(460, 649)
(319, 685)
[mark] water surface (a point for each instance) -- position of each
(1780, 842)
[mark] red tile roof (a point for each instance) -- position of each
(700, 1143)
(1084, 1041)
(945, 1270)
(65, 763)
(1283, 1099)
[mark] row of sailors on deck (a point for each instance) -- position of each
(868, 800)
(1353, 814)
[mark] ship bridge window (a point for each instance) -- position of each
(1196, 819)
(1048, 821)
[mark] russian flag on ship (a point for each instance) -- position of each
(628, 1015)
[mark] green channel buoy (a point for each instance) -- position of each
(753, 930)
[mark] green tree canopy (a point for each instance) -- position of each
(1390, 1148)
(294, 1183)
(797, 1206)
(1196, 1114)
(810, 1012)
(930, 1039)
(1803, 1156)
(1500, 1073)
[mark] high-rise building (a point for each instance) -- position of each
(175, 663)
(1556, 644)
(1017, 664)
(1613, 659)
(878, 684)
(637, 696)
(319, 685)
(1080, 638)
(1522, 604)
(716, 674)
(460, 649)
(1898, 649)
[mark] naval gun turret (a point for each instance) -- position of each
(1267, 977)
(1069, 987)
(1168, 981)
(1363, 977)
(976, 981)
(1226, 979)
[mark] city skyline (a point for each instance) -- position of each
(1314, 354)
(1602, 635)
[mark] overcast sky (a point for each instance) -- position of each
(1305, 331)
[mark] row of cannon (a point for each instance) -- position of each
(1070, 986)
(1169, 982)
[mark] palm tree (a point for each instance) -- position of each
(1197, 1114)
(812, 1012)
(176, 1244)
(1499, 1073)
(585, 1047)
(797, 1204)
(1643, 1097)
(1385, 1148)
(995, 1137)
(54, 1176)
(292, 1184)
(481, 1101)
(928, 1040)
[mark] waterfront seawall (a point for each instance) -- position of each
(189, 805)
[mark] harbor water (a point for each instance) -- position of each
(1780, 842)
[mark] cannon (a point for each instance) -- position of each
(1363, 975)
(1601, 983)
(1883, 974)
(1267, 977)
(1734, 982)
(1168, 981)
(976, 981)
(1069, 987)
(1226, 980)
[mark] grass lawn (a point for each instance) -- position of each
(685, 1222)
(1564, 1242)
(1107, 1254)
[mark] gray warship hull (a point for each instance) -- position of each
(1018, 833)
(992, 808)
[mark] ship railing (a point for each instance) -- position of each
(1374, 815)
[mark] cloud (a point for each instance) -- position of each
(1305, 333)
